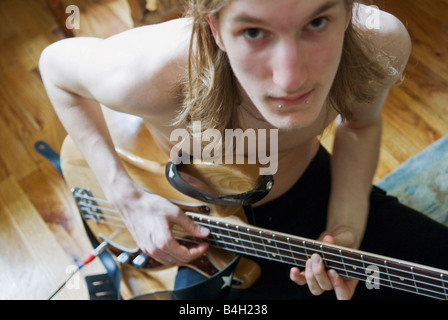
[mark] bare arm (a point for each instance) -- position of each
(357, 144)
(123, 73)
(353, 165)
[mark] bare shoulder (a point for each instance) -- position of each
(387, 32)
(137, 71)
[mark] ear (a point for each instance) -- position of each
(213, 27)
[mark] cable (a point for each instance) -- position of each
(95, 253)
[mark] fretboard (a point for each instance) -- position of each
(373, 269)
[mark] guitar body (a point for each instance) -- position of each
(148, 170)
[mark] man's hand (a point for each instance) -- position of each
(150, 219)
(320, 280)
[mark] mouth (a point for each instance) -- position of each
(293, 100)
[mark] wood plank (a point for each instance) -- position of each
(14, 153)
(101, 18)
(48, 193)
(36, 263)
(416, 112)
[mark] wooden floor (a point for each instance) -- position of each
(40, 238)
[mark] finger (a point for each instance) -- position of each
(343, 289)
(311, 280)
(320, 273)
(328, 239)
(174, 253)
(297, 276)
(194, 229)
(180, 254)
(159, 255)
(346, 239)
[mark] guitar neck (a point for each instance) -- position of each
(373, 269)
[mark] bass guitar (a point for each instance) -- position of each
(230, 235)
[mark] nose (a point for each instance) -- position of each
(289, 70)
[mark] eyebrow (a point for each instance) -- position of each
(250, 19)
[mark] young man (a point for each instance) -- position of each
(291, 65)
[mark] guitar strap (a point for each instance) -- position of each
(215, 288)
(110, 290)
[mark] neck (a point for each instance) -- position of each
(375, 270)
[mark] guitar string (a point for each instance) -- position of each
(96, 214)
(419, 289)
(92, 214)
(354, 275)
(274, 247)
(326, 253)
(288, 260)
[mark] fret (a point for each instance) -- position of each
(284, 250)
(274, 242)
(254, 240)
(430, 283)
(300, 251)
(312, 248)
(231, 235)
(265, 250)
(257, 243)
(307, 255)
(388, 275)
(270, 247)
(378, 271)
(413, 278)
(240, 243)
(330, 256)
(401, 277)
(336, 261)
(343, 262)
(292, 250)
(215, 235)
(226, 238)
(244, 235)
(293, 253)
(322, 254)
(444, 285)
(364, 269)
(354, 264)
(221, 238)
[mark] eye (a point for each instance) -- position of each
(253, 34)
(318, 24)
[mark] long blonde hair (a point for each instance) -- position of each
(210, 91)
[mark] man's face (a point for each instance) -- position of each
(283, 53)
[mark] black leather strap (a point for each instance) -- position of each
(45, 150)
(216, 288)
(242, 199)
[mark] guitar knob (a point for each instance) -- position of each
(140, 260)
(123, 258)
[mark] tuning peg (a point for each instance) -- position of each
(123, 258)
(140, 260)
